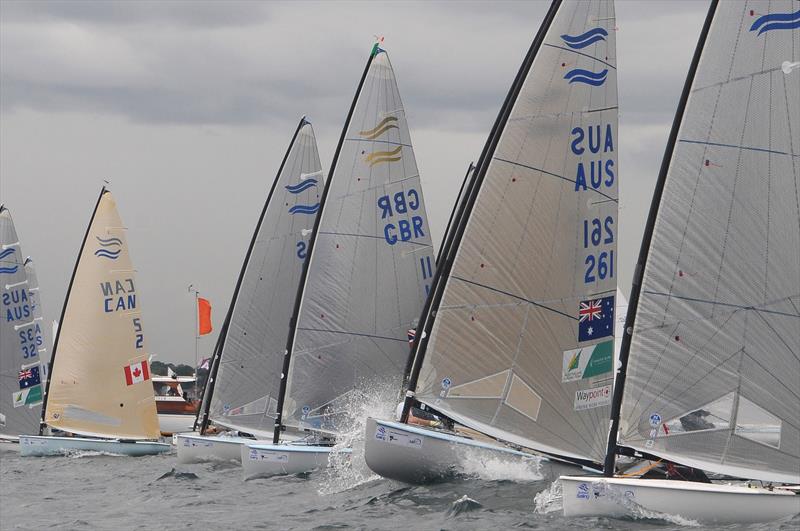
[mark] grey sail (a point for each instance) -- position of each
(40, 331)
(247, 381)
(714, 365)
(370, 267)
(521, 343)
(21, 368)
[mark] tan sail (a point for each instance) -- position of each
(100, 383)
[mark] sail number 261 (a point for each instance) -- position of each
(599, 264)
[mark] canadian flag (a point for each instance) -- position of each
(137, 372)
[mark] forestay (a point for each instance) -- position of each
(522, 342)
(100, 382)
(371, 263)
(712, 378)
(22, 350)
(248, 379)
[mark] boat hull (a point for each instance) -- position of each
(705, 503)
(418, 455)
(36, 445)
(264, 460)
(170, 423)
(200, 448)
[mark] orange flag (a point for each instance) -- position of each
(203, 316)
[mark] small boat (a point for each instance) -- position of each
(516, 342)
(99, 391)
(707, 387)
(244, 380)
(175, 407)
(23, 351)
(369, 270)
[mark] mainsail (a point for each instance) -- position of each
(520, 337)
(714, 365)
(248, 365)
(370, 266)
(22, 351)
(40, 331)
(100, 381)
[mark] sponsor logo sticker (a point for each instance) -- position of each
(583, 491)
(587, 362)
(592, 398)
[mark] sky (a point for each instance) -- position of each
(187, 108)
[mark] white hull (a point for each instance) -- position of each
(200, 448)
(169, 424)
(35, 445)
(264, 460)
(705, 503)
(417, 455)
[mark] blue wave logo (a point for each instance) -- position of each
(579, 75)
(582, 41)
(304, 209)
(109, 248)
(7, 252)
(776, 21)
(301, 186)
(9, 270)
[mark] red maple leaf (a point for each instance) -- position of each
(136, 372)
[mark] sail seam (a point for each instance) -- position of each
(554, 175)
(580, 53)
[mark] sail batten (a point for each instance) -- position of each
(249, 359)
(521, 337)
(711, 379)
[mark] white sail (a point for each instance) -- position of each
(245, 390)
(100, 381)
(22, 357)
(371, 262)
(521, 346)
(714, 368)
(44, 347)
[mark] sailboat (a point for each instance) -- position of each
(22, 350)
(242, 390)
(369, 269)
(709, 361)
(99, 391)
(515, 346)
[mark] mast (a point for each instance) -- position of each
(64, 310)
(208, 393)
(641, 263)
(444, 251)
(443, 270)
(304, 275)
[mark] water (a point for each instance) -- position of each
(108, 492)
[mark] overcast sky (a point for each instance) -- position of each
(188, 107)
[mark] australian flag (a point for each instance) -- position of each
(29, 377)
(596, 319)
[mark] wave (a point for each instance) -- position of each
(585, 39)
(776, 21)
(301, 186)
(304, 209)
(108, 242)
(579, 75)
(384, 159)
(105, 253)
(7, 252)
(9, 270)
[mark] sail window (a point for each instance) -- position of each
(487, 387)
(523, 398)
(712, 416)
(757, 424)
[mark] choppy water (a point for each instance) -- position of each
(108, 492)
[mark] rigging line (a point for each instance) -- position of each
(747, 148)
(379, 142)
(502, 292)
(373, 336)
(373, 236)
(553, 175)
(580, 53)
(729, 305)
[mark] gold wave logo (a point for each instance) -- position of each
(379, 129)
(383, 156)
